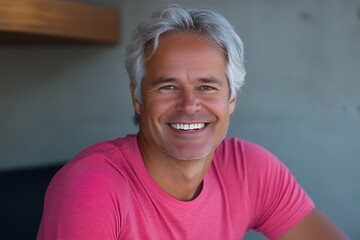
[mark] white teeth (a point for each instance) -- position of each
(186, 127)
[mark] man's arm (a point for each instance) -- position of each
(315, 226)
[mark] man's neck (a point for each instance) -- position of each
(181, 179)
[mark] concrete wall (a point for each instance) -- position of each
(301, 99)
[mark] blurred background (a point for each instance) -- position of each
(301, 101)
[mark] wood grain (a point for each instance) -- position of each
(22, 20)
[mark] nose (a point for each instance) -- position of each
(188, 102)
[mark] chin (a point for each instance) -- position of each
(182, 156)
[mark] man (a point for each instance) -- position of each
(179, 178)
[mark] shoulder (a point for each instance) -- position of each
(240, 146)
(108, 149)
(96, 169)
(241, 150)
(93, 180)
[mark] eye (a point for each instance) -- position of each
(206, 88)
(168, 88)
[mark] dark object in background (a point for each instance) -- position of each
(21, 201)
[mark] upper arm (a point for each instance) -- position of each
(313, 227)
(278, 202)
(82, 202)
(284, 210)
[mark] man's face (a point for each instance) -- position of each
(185, 106)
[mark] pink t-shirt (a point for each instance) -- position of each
(105, 193)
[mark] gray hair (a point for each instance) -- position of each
(208, 24)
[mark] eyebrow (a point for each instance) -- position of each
(162, 80)
(211, 80)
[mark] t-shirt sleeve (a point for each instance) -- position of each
(83, 201)
(278, 202)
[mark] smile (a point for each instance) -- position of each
(187, 127)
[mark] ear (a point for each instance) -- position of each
(232, 105)
(135, 102)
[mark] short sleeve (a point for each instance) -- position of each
(278, 202)
(83, 201)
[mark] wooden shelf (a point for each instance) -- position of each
(49, 21)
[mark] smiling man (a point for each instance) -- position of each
(184, 113)
(179, 177)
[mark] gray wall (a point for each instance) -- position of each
(301, 99)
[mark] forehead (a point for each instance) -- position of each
(187, 53)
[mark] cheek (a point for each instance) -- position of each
(155, 107)
(218, 105)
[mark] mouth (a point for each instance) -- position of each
(187, 127)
